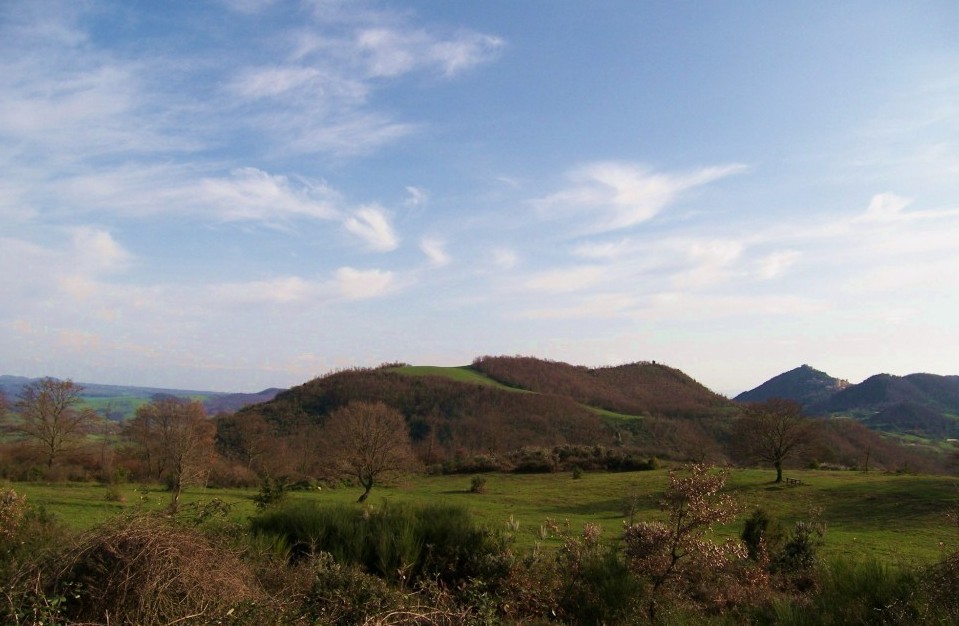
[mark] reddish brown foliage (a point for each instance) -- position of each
(643, 388)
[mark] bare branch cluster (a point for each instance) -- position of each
(175, 440)
(368, 441)
(49, 415)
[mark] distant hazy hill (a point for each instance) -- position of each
(121, 402)
(231, 402)
(806, 385)
(923, 404)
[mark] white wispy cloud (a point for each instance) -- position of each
(704, 306)
(283, 290)
(98, 250)
(596, 306)
(885, 206)
(357, 284)
(776, 264)
(371, 224)
(709, 263)
(386, 49)
(566, 280)
(435, 250)
(604, 249)
(504, 258)
(615, 195)
(252, 194)
(320, 96)
(70, 269)
(415, 197)
(890, 207)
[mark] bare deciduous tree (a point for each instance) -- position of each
(772, 431)
(176, 441)
(49, 415)
(368, 441)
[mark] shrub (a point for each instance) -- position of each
(478, 463)
(272, 492)
(533, 461)
(397, 542)
(345, 594)
(761, 535)
(114, 493)
(478, 484)
(800, 548)
(856, 592)
(140, 570)
(584, 582)
(13, 508)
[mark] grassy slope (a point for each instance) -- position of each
(896, 518)
(462, 374)
(466, 374)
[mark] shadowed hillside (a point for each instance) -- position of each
(937, 393)
(912, 418)
(918, 404)
(806, 385)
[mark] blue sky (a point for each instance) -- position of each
(237, 195)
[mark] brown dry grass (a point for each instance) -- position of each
(148, 570)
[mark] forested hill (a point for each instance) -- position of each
(474, 415)
(490, 385)
(919, 404)
(506, 402)
(644, 388)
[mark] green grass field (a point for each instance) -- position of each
(895, 518)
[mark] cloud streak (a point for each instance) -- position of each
(615, 196)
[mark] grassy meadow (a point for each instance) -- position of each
(896, 518)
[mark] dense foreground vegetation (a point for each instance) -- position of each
(496, 500)
(691, 546)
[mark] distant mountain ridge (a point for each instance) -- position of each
(922, 404)
(805, 384)
(120, 402)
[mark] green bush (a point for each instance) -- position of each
(272, 492)
(478, 484)
(854, 592)
(761, 534)
(345, 594)
(800, 549)
(602, 591)
(401, 543)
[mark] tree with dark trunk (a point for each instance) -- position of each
(368, 441)
(49, 414)
(772, 431)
